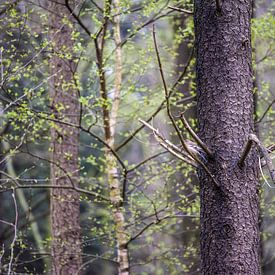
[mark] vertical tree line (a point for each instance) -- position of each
(64, 96)
(229, 210)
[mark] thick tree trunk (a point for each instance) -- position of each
(66, 244)
(229, 213)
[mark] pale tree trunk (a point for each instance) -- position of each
(66, 232)
(229, 213)
(110, 119)
(114, 183)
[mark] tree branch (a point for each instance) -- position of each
(180, 10)
(167, 97)
(79, 21)
(161, 106)
(97, 6)
(245, 152)
(173, 149)
(9, 7)
(195, 136)
(266, 111)
(49, 186)
(253, 138)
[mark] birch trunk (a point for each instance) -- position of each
(110, 119)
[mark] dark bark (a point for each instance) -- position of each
(229, 213)
(66, 244)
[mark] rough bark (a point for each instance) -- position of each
(66, 236)
(229, 213)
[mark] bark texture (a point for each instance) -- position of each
(115, 184)
(229, 214)
(66, 243)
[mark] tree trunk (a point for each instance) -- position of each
(229, 213)
(66, 243)
(115, 185)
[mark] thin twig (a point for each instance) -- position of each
(266, 111)
(23, 201)
(186, 99)
(88, 131)
(269, 53)
(195, 136)
(161, 106)
(145, 161)
(173, 149)
(17, 147)
(97, 6)
(167, 96)
(15, 232)
(7, 8)
(2, 68)
(77, 18)
(7, 223)
(180, 10)
(48, 186)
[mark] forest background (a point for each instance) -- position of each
(136, 199)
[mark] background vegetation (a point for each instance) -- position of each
(159, 192)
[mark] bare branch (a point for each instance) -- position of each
(269, 53)
(167, 97)
(186, 99)
(15, 232)
(162, 104)
(180, 10)
(173, 149)
(253, 138)
(97, 6)
(77, 18)
(271, 148)
(266, 111)
(145, 161)
(49, 186)
(245, 152)
(195, 136)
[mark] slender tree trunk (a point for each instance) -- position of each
(110, 119)
(229, 213)
(111, 163)
(66, 243)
